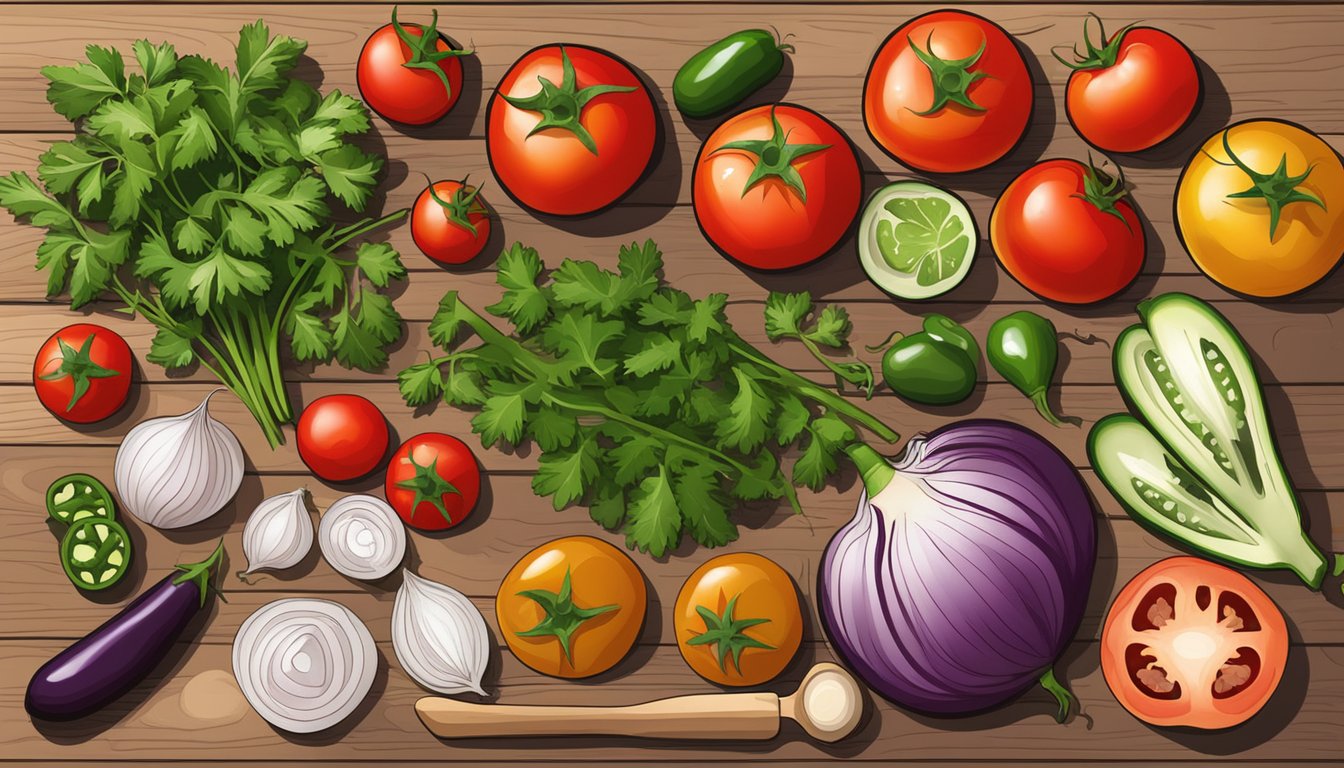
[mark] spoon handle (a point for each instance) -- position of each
(739, 716)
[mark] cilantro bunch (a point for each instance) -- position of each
(645, 404)
(198, 197)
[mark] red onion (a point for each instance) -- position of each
(965, 570)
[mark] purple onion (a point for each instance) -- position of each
(965, 570)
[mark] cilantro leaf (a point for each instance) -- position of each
(552, 429)
(21, 195)
(444, 325)
(137, 176)
(195, 140)
(288, 202)
(784, 314)
(192, 237)
(704, 510)
(63, 165)
(158, 62)
(833, 431)
(792, 419)
(816, 463)
(608, 506)
(342, 111)
(171, 347)
(463, 387)
(350, 173)
(526, 305)
(242, 231)
(832, 328)
(76, 91)
(584, 284)
(666, 308)
(707, 317)
(420, 383)
(262, 59)
(634, 455)
(658, 354)
(220, 276)
(123, 120)
(581, 337)
(748, 412)
(762, 482)
(378, 317)
(501, 417)
(638, 266)
(309, 337)
(313, 140)
(380, 263)
(654, 520)
(566, 474)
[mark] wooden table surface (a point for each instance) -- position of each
(1258, 59)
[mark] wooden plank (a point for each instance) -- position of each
(1299, 723)
(36, 600)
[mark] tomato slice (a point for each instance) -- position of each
(1189, 642)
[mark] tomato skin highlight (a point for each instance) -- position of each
(401, 94)
(439, 237)
(444, 459)
(1059, 245)
(105, 395)
(955, 138)
(1149, 94)
(552, 171)
(770, 226)
(342, 437)
(1130, 634)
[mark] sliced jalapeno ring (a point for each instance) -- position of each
(95, 553)
(78, 497)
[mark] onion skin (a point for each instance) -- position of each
(964, 597)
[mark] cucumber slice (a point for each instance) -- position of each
(95, 553)
(78, 497)
(916, 240)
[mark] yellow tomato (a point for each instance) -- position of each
(1225, 208)
(738, 621)
(572, 608)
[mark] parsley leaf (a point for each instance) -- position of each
(654, 520)
(565, 474)
(523, 303)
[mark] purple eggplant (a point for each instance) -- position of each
(111, 659)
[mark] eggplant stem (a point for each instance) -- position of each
(1061, 693)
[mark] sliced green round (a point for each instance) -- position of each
(916, 240)
(95, 553)
(77, 497)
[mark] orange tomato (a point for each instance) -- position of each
(572, 608)
(738, 620)
(1193, 643)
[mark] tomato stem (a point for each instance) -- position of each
(775, 157)
(562, 106)
(424, 50)
(459, 207)
(952, 78)
(1104, 191)
(1277, 189)
(1096, 58)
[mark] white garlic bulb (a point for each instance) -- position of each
(175, 471)
(439, 637)
(279, 533)
(362, 537)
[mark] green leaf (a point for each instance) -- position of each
(501, 417)
(309, 337)
(350, 173)
(463, 388)
(784, 314)
(172, 348)
(345, 112)
(704, 510)
(264, 60)
(354, 345)
(122, 120)
(833, 431)
(168, 103)
(91, 188)
(666, 308)
(580, 337)
(444, 325)
(220, 277)
(608, 506)
(192, 237)
(566, 474)
(792, 419)
(76, 91)
(314, 140)
(658, 354)
(137, 176)
(762, 482)
(707, 317)
(22, 197)
(654, 523)
(94, 261)
(748, 415)
(377, 316)
(63, 165)
(634, 455)
(832, 328)
(380, 263)
(584, 284)
(552, 429)
(524, 304)
(288, 202)
(816, 463)
(242, 231)
(54, 254)
(173, 277)
(218, 91)
(420, 383)
(195, 140)
(638, 266)
(158, 62)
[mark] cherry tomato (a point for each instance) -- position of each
(572, 608)
(570, 129)
(947, 92)
(776, 186)
(1189, 642)
(433, 481)
(82, 373)
(409, 73)
(450, 223)
(342, 437)
(738, 620)
(1134, 92)
(1064, 231)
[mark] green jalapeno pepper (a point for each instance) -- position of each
(1024, 348)
(936, 366)
(95, 553)
(78, 497)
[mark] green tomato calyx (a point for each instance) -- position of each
(562, 106)
(1096, 57)
(78, 365)
(563, 617)
(459, 206)
(429, 486)
(774, 157)
(952, 78)
(423, 49)
(728, 634)
(1277, 189)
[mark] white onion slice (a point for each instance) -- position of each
(304, 665)
(362, 537)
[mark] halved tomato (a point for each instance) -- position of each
(1189, 642)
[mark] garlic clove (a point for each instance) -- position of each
(439, 637)
(176, 471)
(279, 533)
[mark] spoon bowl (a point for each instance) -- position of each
(828, 703)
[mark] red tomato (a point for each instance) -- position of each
(83, 373)
(1192, 643)
(947, 92)
(570, 129)
(1064, 231)
(433, 481)
(776, 186)
(450, 223)
(408, 73)
(1134, 92)
(342, 437)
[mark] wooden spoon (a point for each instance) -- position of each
(828, 705)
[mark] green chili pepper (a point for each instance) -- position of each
(1024, 348)
(95, 553)
(77, 497)
(936, 366)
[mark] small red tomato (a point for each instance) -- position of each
(342, 437)
(433, 481)
(947, 92)
(408, 73)
(569, 130)
(776, 186)
(450, 223)
(83, 373)
(1134, 92)
(1063, 230)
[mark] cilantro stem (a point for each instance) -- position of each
(349, 233)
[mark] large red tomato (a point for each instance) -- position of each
(1064, 231)
(342, 437)
(570, 129)
(433, 481)
(947, 92)
(408, 73)
(1135, 91)
(83, 373)
(776, 186)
